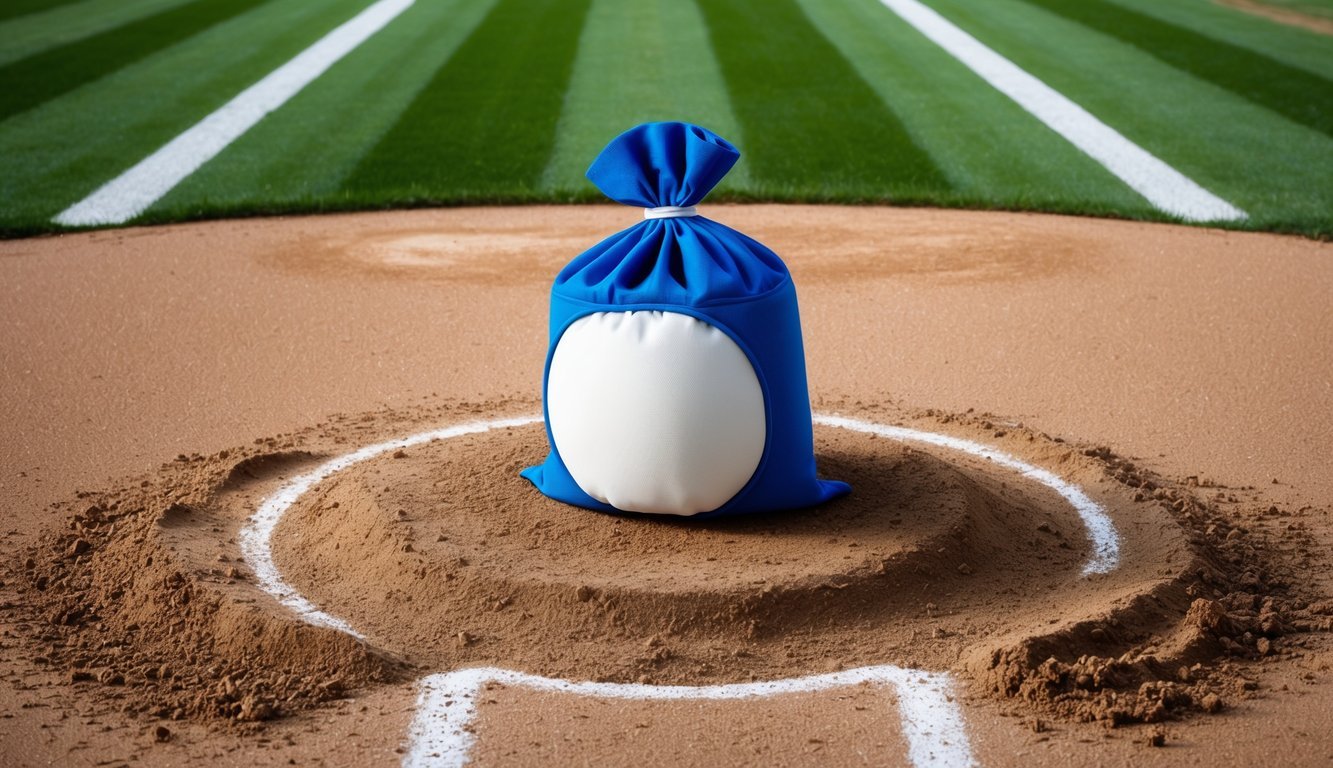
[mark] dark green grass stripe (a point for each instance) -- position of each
(807, 116)
(1294, 93)
(12, 9)
(484, 127)
(28, 82)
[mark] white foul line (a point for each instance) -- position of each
(931, 720)
(932, 723)
(132, 192)
(1105, 541)
(1163, 186)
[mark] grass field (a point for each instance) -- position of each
(507, 101)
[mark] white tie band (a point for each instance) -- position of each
(669, 212)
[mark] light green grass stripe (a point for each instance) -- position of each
(638, 61)
(1289, 91)
(1267, 165)
(28, 35)
(484, 128)
(28, 82)
(300, 154)
(57, 153)
(1293, 46)
(993, 152)
(814, 129)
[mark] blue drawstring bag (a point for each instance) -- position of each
(675, 378)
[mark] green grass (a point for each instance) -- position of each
(809, 124)
(485, 125)
(15, 8)
(51, 73)
(1322, 9)
(469, 101)
(60, 151)
(1007, 160)
(358, 101)
(1274, 169)
(1289, 91)
(664, 70)
(36, 32)
(1293, 46)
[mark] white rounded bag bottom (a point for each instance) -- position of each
(655, 411)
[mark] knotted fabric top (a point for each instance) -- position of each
(674, 256)
(662, 164)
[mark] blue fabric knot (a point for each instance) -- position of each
(658, 164)
(689, 261)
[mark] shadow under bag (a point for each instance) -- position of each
(675, 378)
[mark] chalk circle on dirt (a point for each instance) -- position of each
(434, 530)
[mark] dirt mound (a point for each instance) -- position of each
(441, 556)
(419, 547)
(1163, 651)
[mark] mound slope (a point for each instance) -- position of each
(418, 547)
(443, 557)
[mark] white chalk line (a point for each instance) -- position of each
(257, 535)
(932, 722)
(1101, 530)
(132, 192)
(1163, 186)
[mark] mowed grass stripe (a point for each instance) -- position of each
(130, 194)
(812, 128)
(484, 128)
(1289, 44)
(14, 8)
(28, 82)
(639, 61)
(1291, 92)
(56, 154)
(287, 161)
(1006, 160)
(1270, 167)
(27, 35)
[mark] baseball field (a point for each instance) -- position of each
(505, 101)
(1064, 273)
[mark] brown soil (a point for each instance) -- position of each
(120, 605)
(1206, 352)
(444, 557)
(448, 539)
(649, 737)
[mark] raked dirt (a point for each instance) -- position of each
(158, 382)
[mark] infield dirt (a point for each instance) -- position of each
(1095, 341)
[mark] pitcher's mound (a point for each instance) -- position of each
(415, 546)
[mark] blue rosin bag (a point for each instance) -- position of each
(675, 380)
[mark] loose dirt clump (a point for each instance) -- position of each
(1229, 604)
(130, 619)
